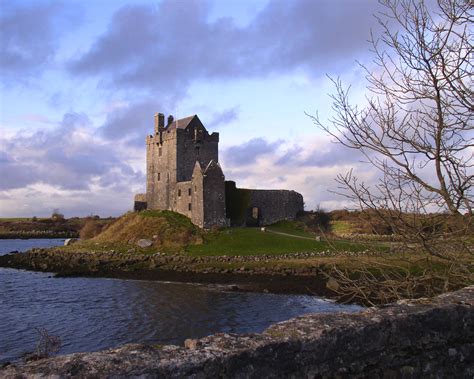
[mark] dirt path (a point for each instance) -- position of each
(291, 235)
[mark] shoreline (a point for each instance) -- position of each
(235, 272)
(305, 273)
(277, 284)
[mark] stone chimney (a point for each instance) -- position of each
(170, 120)
(159, 122)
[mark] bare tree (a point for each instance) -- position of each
(417, 126)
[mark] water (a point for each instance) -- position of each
(8, 245)
(90, 314)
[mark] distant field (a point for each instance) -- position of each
(20, 219)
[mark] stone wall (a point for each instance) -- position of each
(161, 168)
(427, 338)
(276, 205)
(183, 198)
(214, 196)
(197, 216)
(195, 144)
(261, 207)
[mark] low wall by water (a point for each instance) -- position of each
(425, 338)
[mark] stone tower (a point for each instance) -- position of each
(183, 173)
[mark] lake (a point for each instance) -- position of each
(90, 314)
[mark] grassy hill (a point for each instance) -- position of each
(167, 230)
(173, 232)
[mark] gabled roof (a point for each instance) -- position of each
(213, 167)
(181, 123)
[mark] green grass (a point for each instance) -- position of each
(291, 227)
(251, 241)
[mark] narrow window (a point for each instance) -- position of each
(159, 151)
(179, 193)
(189, 191)
(159, 176)
(195, 188)
(189, 206)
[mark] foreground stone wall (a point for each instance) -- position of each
(408, 340)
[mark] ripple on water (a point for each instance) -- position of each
(90, 314)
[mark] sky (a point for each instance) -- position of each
(81, 81)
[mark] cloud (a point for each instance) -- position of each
(131, 121)
(29, 37)
(248, 152)
(225, 117)
(309, 167)
(167, 47)
(328, 155)
(40, 200)
(68, 157)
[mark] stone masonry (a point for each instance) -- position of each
(184, 175)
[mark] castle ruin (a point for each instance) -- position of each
(184, 175)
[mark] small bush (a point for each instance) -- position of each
(47, 346)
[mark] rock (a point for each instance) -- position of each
(191, 344)
(144, 243)
(69, 241)
(317, 238)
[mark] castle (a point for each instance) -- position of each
(184, 175)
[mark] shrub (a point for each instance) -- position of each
(318, 220)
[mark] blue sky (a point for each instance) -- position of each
(81, 80)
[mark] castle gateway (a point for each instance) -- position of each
(184, 175)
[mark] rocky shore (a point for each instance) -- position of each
(237, 272)
(430, 338)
